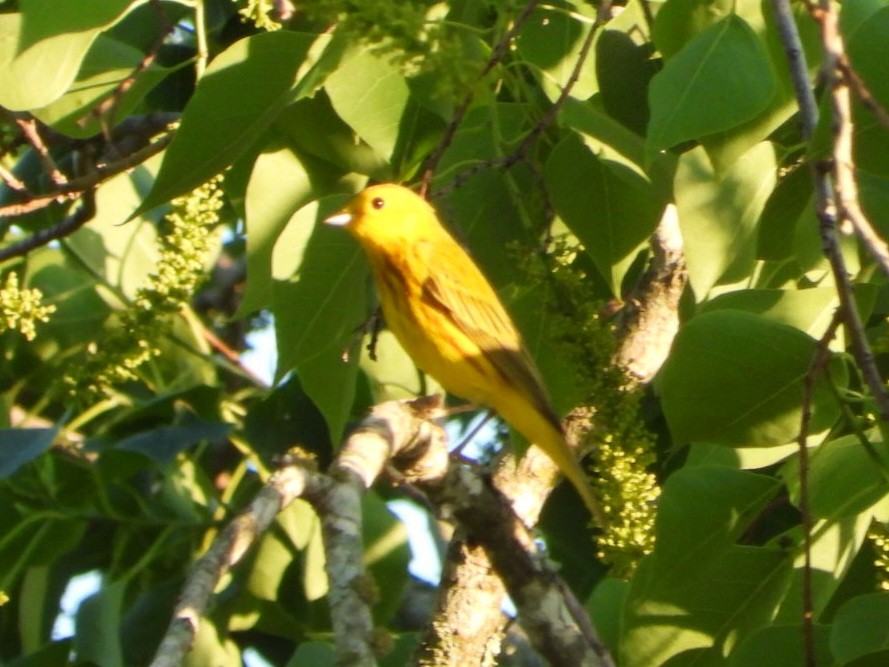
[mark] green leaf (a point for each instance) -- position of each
(318, 301)
(605, 608)
(809, 310)
(163, 443)
(314, 128)
(371, 96)
(284, 417)
(680, 21)
(735, 378)
(98, 620)
(779, 646)
(719, 215)
(611, 209)
(702, 512)
(834, 547)
(18, 446)
(719, 80)
(868, 49)
(212, 646)
(873, 192)
(243, 91)
(625, 67)
(777, 223)
(861, 627)
(550, 40)
(392, 375)
(123, 254)
(716, 604)
(313, 654)
(281, 183)
(844, 479)
(106, 65)
(724, 148)
(277, 555)
(41, 49)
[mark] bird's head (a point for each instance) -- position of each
(386, 213)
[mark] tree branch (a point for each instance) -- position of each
(816, 367)
(227, 549)
(76, 187)
(829, 203)
(67, 226)
(471, 592)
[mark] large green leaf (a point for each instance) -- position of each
(735, 378)
(282, 181)
(718, 215)
(698, 588)
(318, 300)
(777, 223)
(550, 40)
(845, 479)
(719, 80)
(780, 646)
(163, 443)
(106, 65)
(680, 21)
(861, 627)
(833, 549)
(41, 48)
(122, 254)
(371, 96)
(726, 147)
(702, 512)
(610, 208)
(243, 91)
(809, 310)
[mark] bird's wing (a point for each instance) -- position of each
(470, 302)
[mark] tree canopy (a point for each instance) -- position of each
(682, 203)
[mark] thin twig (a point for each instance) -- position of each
(77, 186)
(831, 204)
(12, 181)
(28, 126)
(497, 55)
(108, 105)
(508, 161)
(863, 92)
(817, 366)
(67, 226)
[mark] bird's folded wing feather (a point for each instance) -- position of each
(472, 305)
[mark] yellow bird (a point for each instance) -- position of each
(450, 321)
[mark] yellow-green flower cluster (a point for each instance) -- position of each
(258, 11)
(134, 340)
(879, 536)
(621, 447)
(21, 309)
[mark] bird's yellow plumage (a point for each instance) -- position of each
(450, 321)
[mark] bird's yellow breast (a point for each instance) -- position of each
(429, 335)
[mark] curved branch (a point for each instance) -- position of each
(69, 225)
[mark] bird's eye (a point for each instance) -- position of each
(378, 203)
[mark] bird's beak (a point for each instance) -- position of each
(339, 219)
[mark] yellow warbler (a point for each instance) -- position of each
(448, 318)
